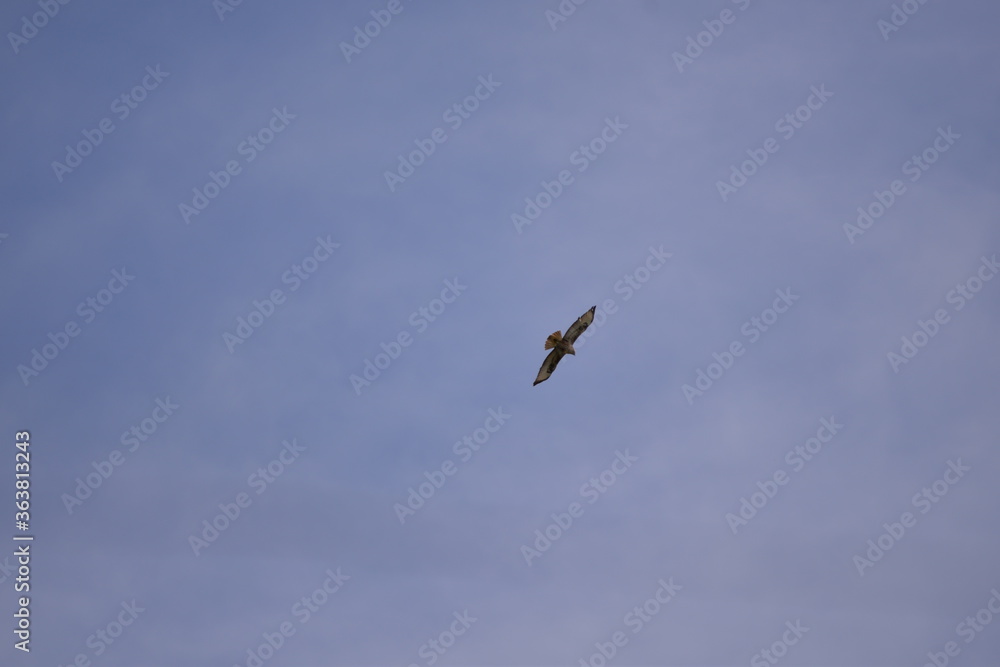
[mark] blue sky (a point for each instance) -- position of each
(278, 289)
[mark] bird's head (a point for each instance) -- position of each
(569, 349)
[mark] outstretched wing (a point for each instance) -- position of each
(579, 326)
(548, 366)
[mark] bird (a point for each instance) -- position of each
(563, 345)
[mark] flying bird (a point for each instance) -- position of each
(563, 345)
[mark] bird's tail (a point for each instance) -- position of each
(552, 340)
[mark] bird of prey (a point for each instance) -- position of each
(563, 345)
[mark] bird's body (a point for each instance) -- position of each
(563, 345)
(557, 342)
